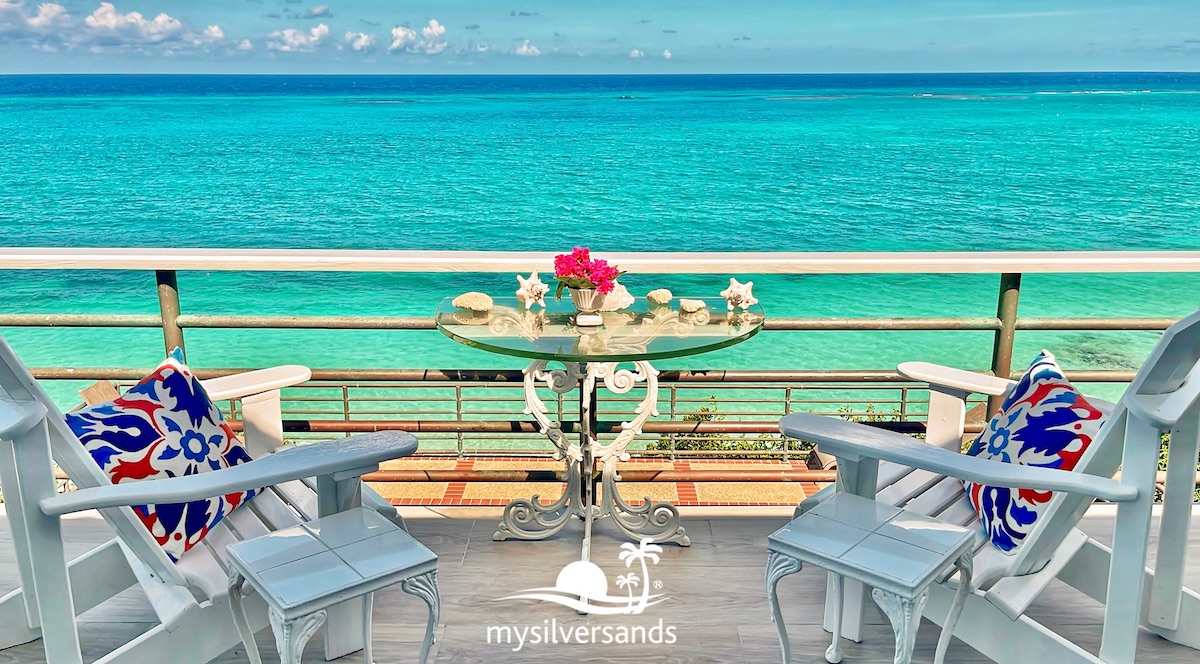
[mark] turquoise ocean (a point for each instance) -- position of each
(616, 163)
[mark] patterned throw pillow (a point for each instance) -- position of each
(1044, 422)
(165, 426)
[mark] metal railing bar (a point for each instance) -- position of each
(216, 321)
(523, 426)
(695, 375)
(348, 260)
(81, 320)
(1095, 324)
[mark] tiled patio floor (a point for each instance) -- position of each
(716, 601)
(497, 494)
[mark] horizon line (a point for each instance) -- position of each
(879, 73)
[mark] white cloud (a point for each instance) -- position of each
(478, 48)
(16, 22)
(319, 11)
(292, 39)
(112, 26)
(49, 14)
(636, 54)
(527, 49)
(433, 31)
(359, 41)
(50, 26)
(402, 37)
(431, 38)
(431, 42)
(666, 54)
(245, 45)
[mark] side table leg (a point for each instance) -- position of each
(529, 519)
(425, 586)
(658, 522)
(833, 653)
(905, 616)
(291, 635)
(965, 566)
(779, 566)
(368, 601)
(237, 593)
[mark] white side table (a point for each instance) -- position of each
(304, 570)
(896, 552)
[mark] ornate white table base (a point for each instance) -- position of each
(529, 519)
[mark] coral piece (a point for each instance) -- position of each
(659, 296)
(470, 318)
(618, 298)
(738, 295)
(473, 301)
(532, 291)
(691, 306)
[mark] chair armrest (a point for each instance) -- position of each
(968, 381)
(853, 441)
(1165, 410)
(255, 382)
(17, 418)
(294, 463)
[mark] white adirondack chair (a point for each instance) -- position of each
(190, 597)
(924, 476)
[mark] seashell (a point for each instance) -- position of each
(700, 317)
(691, 306)
(614, 319)
(617, 298)
(659, 296)
(473, 301)
(532, 291)
(470, 318)
(738, 295)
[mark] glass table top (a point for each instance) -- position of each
(640, 332)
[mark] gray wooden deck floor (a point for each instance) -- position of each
(716, 601)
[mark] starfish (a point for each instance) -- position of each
(738, 296)
(532, 290)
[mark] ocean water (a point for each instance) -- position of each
(617, 163)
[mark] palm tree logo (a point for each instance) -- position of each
(629, 553)
(628, 581)
(583, 586)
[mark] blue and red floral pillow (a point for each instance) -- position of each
(165, 426)
(1043, 422)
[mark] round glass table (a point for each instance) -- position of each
(591, 356)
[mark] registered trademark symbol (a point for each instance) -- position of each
(657, 584)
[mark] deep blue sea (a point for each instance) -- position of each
(617, 163)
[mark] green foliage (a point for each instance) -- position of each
(751, 444)
(1163, 448)
(868, 414)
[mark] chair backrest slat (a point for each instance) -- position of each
(1173, 359)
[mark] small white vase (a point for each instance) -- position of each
(588, 301)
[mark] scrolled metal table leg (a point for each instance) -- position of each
(779, 565)
(658, 521)
(528, 518)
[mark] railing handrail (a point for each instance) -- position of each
(370, 260)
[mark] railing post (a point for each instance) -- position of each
(1002, 349)
(168, 307)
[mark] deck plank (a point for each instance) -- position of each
(717, 602)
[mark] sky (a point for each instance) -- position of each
(596, 36)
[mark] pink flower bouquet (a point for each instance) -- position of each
(579, 270)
